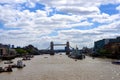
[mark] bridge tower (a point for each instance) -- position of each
(52, 48)
(67, 48)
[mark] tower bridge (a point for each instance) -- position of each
(67, 47)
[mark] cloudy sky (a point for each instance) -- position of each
(37, 22)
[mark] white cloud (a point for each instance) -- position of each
(79, 6)
(87, 37)
(30, 4)
(79, 10)
(118, 8)
(105, 18)
(81, 24)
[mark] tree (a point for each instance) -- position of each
(21, 51)
(32, 50)
(104, 52)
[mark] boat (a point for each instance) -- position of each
(20, 64)
(26, 58)
(116, 62)
(1, 69)
(31, 56)
(6, 69)
(8, 62)
(76, 54)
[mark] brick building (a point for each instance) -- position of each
(4, 49)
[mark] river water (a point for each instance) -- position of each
(60, 67)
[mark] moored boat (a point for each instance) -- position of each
(116, 62)
(26, 58)
(76, 54)
(20, 64)
(8, 62)
(6, 69)
(1, 69)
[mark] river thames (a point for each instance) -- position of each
(60, 67)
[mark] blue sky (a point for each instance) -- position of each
(109, 9)
(38, 22)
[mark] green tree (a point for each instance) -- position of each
(31, 50)
(104, 52)
(21, 51)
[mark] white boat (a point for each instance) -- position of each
(20, 64)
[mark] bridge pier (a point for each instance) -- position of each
(67, 48)
(52, 48)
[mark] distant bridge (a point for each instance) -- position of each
(50, 50)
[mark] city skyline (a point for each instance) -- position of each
(38, 22)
